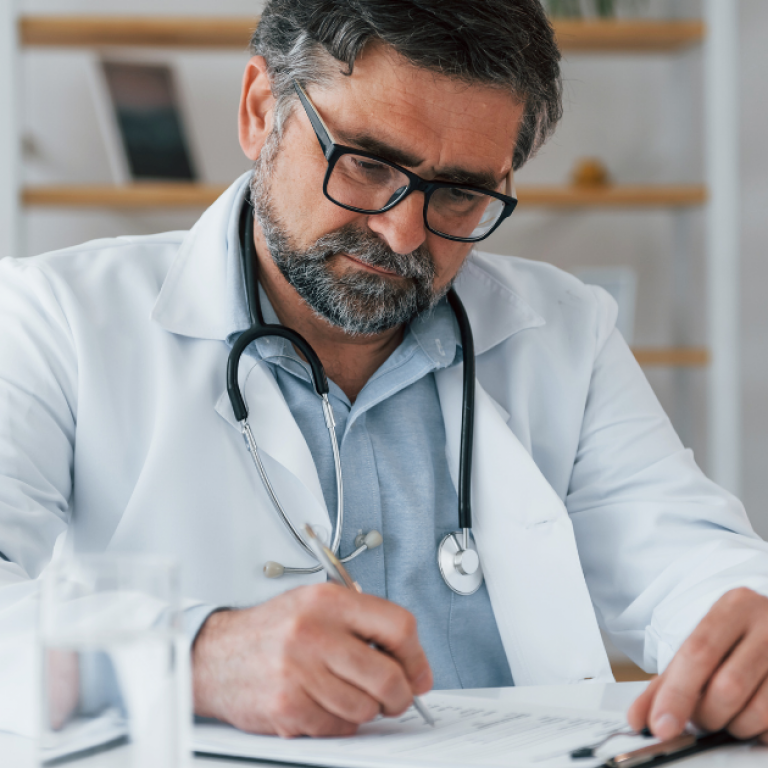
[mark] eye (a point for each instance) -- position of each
(365, 167)
(463, 196)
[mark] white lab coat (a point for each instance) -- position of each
(115, 427)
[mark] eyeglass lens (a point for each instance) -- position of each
(362, 182)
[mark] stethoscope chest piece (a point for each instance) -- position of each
(459, 566)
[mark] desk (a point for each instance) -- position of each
(613, 697)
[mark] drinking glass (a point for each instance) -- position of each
(114, 664)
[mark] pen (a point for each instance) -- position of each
(338, 573)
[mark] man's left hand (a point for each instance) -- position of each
(719, 677)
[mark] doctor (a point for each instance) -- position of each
(118, 435)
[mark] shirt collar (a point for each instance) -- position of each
(203, 295)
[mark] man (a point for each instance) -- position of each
(118, 433)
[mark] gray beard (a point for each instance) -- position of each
(357, 302)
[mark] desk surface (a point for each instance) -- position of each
(614, 697)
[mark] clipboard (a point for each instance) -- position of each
(668, 751)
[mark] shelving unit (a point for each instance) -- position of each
(718, 34)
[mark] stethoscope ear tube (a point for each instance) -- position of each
(259, 328)
(467, 411)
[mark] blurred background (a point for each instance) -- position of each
(662, 113)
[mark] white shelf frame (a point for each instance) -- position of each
(10, 143)
(721, 83)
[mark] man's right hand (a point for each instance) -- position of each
(302, 663)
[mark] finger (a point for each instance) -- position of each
(753, 718)
(638, 713)
(394, 629)
(372, 671)
(341, 698)
(295, 713)
(733, 685)
(694, 664)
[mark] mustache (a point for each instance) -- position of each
(371, 250)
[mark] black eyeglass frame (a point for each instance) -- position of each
(333, 151)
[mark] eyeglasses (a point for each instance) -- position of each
(365, 183)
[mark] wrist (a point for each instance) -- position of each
(203, 659)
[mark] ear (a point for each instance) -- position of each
(254, 120)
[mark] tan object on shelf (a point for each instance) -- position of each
(590, 172)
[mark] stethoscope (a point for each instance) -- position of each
(457, 556)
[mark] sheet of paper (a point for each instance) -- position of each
(469, 731)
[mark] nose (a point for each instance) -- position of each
(402, 227)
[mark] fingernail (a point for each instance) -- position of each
(666, 726)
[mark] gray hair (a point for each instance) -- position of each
(506, 44)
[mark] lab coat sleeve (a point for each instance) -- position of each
(658, 541)
(38, 406)
(38, 417)
(38, 411)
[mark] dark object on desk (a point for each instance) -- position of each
(667, 751)
(590, 750)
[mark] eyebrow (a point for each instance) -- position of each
(451, 173)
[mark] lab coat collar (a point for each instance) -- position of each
(196, 297)
(495, 311)
(203, 294)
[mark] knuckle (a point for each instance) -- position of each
(753, 721)
(408, 626)
(389, 682)
(700, 648)
(738, 597)
(301, 628)
(730, 687)
(404, 626)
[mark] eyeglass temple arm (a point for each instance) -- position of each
(322, 132)
(509, 185)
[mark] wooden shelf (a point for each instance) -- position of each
(614, 196)
(603, 36)
(639, 36)
(161, 194)
(156, 31)
(138, 195)
(672, 357)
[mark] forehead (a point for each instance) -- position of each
(438, 120)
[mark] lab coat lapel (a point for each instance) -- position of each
(197, 299)
(527, 548)
(278, 437)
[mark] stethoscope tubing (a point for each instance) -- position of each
(259, 329)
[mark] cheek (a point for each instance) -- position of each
(296, 191)
(448, 257)
(298, 200)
